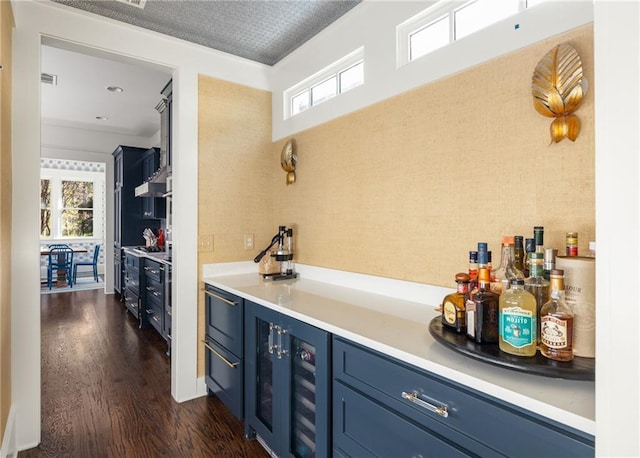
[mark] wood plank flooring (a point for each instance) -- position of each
(106, 390)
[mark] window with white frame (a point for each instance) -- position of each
(338, 78)
(447, 21)
(71, 204)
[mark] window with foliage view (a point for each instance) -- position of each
(71, 204)
(77, 209)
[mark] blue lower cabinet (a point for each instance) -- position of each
(288, 380)
(380, 402)
(224, 376)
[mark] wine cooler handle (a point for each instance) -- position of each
(443, 410)
(270, 343)
(225, 360)
(281, 351)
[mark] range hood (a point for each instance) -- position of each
(156, 186)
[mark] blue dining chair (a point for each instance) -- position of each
(60, 258)
(94, 264)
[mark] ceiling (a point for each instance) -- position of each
(259, 30)
(80, 95)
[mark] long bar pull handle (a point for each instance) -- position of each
(270, 343)
(225, 360)
(443, 410)
(226, 301)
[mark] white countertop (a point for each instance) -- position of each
(399, 328)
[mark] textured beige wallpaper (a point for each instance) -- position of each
(235, 176)
(6, 26)
(405, 188)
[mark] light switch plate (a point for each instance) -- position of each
(205, 242)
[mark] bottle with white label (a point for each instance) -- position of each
(556, 316)
(517, 320)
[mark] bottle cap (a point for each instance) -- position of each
(462, 277)
(473, 256)
(482, 246)
(488, 256)
(550, 254)
(507, 240)
(517, 281)
(518, 240)
(557, 272)
(482, 257)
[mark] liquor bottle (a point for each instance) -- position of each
(538, 286)
(549, 261)
(571, 244)
(529, 247)
(484, 305)
(556, 340)
(473, 265)
(518, 253)
(454, 304)
(538, 236)
(517, 328)
(502, 276)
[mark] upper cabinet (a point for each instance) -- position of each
(165, 108)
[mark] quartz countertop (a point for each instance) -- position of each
(155, 256)
(399, 328)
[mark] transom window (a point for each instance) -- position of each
(338, 78)
(447, 21)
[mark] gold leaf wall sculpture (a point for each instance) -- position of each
(558, 87)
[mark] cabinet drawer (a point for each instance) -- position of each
(132, 281)
(224, 319)
(223, 376)
(131, 261)
(154, 271)
(503, 427)
(154, 316)
(131, 302)
(364, 428)
(153, 290)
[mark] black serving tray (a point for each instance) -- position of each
(578, 369)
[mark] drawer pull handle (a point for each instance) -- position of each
(443, 410)
(225, 360)
(226, 301)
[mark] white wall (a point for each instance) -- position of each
(373, 25)
(34, 21)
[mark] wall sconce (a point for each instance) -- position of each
(289, 159)
(558, 87)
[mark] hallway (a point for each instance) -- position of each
(106, 390)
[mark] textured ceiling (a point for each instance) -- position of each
(258, 30)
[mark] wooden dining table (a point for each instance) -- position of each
(61, 279)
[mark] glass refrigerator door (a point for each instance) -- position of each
(264, 369)
(303, 401)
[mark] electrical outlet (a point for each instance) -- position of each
(248, 241)
(205, 242)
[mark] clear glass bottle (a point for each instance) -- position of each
(484, 305)
(502, 276)
(518, 317)
(454, 304)
(470, 308)
(537, 285)
(556, 316)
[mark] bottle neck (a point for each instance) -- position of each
(463, 287)
(536, 268)
(556, 286)
(506, 257)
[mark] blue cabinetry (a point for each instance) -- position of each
(132, 284)
(224, 347)
(287, 388)
(384, 407)
(152, 207)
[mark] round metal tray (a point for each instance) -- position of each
(578, 369)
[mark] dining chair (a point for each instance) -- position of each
(94, 264)
(60, 258)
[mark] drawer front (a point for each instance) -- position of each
(469, 412)
(224, 315)
(131, 302)
(131, 261)
(223, 376)
(153, 290)
(132, 281)
(154, 271)
(154, 316)
(364, 428)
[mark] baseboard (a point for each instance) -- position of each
(8, 449)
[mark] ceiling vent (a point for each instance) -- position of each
(49, 78)
(136, 3)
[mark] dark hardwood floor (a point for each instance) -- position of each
(106, 390)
